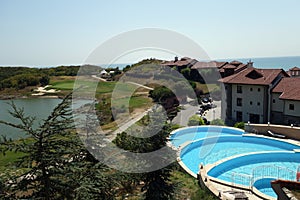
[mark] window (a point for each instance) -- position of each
(239, 89)
(273, 100)
(258, 103)
(291, 107)
(258, 89)
(251, 89)
(239, 101)
(250, 102)
(239, 116)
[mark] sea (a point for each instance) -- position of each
(284, 63)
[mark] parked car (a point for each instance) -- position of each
(213, 105)
(205, 100)
(199, 112)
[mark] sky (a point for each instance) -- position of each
(64, 32)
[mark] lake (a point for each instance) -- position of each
(38, 107)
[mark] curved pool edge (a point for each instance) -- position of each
(181, 163)
(260, 182)
(197, 128)
(210, 166)
(186, 168)
(245, 158)
(206, 126)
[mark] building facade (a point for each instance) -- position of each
(247, 95)
(285, 103)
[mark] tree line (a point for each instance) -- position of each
(21, 77)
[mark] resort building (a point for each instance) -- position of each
(180, 64)
(206, 72)
(247, 95)
(294, 72)
(285, 106)
(224, 68)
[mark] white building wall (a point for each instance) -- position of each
(278, 105)
(295, 112)
(255, 96)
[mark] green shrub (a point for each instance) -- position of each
(218, 122)
(240, 125)
(195, 120)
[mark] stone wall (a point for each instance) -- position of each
(288, 131)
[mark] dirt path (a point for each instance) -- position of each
(98, 78)
(143, 86)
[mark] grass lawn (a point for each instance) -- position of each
(9, 158)
(189, 188)
(134, 102)
(7, 163)
(102, 87)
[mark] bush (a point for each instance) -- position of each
(195, 120)
(240, 125)
(218, 122)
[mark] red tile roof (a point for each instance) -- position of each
(241, 66)
(229, 66)
(235, 62)
(211, 64)
(295, 69)
(185, 61)
(289, 88)
(253, 76)
(236, 65)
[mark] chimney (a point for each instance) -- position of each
(250, 63)
(176, 58)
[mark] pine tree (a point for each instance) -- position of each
(48, 149)
(59, 166)
(157, 184)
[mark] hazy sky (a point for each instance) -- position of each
(54, 32)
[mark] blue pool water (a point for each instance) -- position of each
(264, 186)
(244, 159)
(282, 164)
(256, 167)
(211, 150)
(180, 136)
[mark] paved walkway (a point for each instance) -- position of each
(128, 124)
(183, 116)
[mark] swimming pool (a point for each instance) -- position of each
(246, 160)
